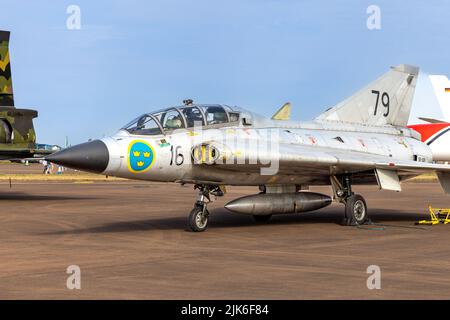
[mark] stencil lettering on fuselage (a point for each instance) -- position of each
(141, 156)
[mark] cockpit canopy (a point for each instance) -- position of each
(167, 120)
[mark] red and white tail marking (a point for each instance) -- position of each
(437, 136)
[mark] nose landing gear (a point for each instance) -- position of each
(198, 218)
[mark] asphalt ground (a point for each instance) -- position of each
(131, 241)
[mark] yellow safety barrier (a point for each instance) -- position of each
(437, 215)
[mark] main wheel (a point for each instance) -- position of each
(356, 209)
(262, 219)
(198, 220)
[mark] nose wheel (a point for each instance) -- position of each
(199, 216)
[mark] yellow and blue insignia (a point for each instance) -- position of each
(141, 156)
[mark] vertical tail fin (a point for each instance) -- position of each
(386, 101)
(284, 113)
(441, 86)
(6, 92)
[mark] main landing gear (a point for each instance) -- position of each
(355, 205)
(198, 218)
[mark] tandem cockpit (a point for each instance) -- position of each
(184, 117)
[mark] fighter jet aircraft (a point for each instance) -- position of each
(17, 135)
(362, 140)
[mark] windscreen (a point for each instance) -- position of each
(167, 120)
(143, 125)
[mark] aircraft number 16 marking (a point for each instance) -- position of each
(176, 156)
(384, 102)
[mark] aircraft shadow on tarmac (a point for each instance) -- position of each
(221, 218)
(21, 196)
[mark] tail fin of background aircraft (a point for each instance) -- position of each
(6, 93)
(386, 101)
(441, 86)
(284, 113)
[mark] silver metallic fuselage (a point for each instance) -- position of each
(173, 152)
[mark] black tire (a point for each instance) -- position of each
(356, 210)
(262, 219)
(198, 220)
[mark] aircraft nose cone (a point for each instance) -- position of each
(90, 156)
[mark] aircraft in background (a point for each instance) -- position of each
(41, 151)
(362, 140)
(436, 133)
(441, 86)
(17, 135)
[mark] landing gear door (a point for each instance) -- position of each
(388, 179)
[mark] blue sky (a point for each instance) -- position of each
(134, 56)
